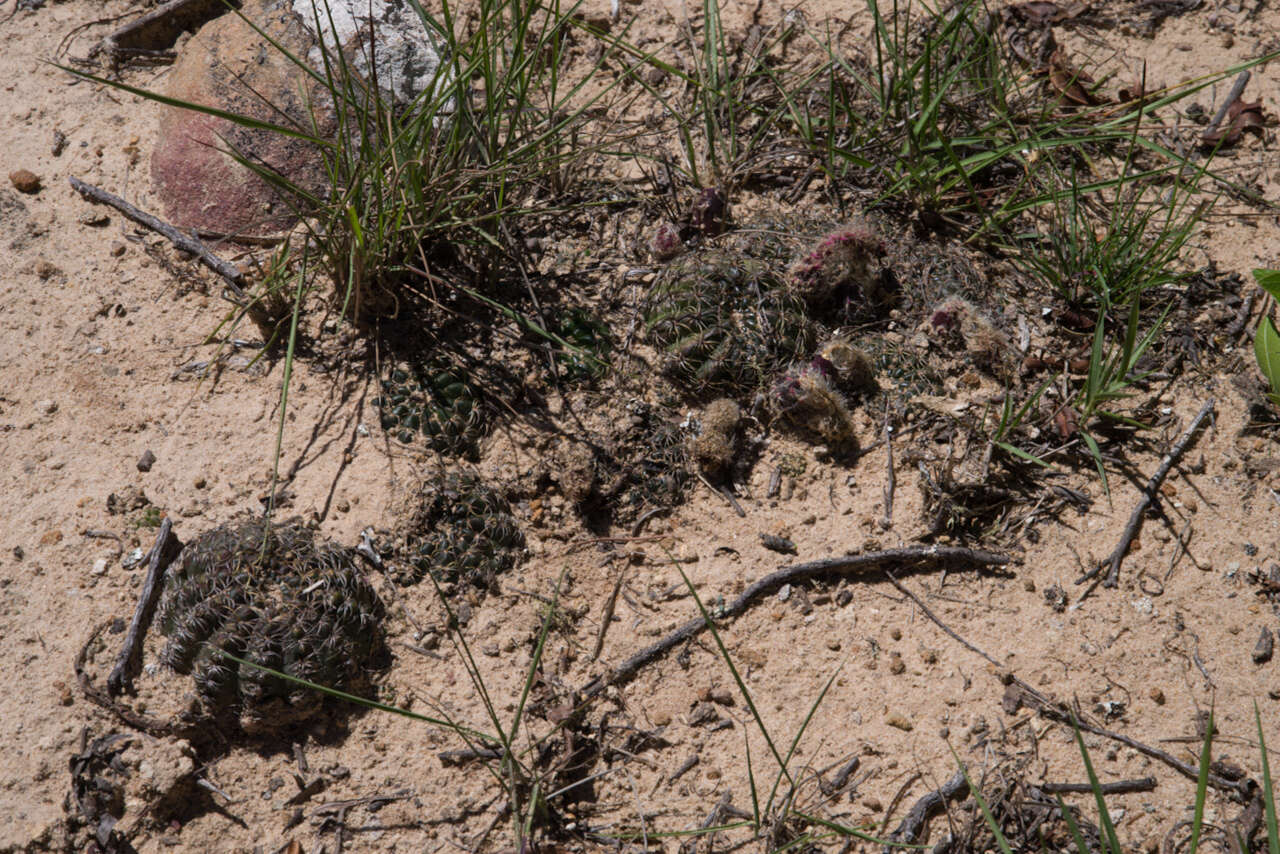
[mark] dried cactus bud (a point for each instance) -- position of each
(461, 530)
(841, 259)
(665, 242)
(709, 213)
(806, 398)
(715, 447)
(854, 370)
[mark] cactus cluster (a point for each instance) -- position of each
(651, 463)
(278, 597)
(806, 397)
(462, 530)
(436, 401)
(725, 322)
(840, 260)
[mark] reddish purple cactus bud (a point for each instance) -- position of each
(823, 367)
(945, 319)
(708, 215)
(665, 242)
(840, 258)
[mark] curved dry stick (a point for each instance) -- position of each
(1148, 498)
(789, 575)
(143, 723)
(927, 807)
(129, 662)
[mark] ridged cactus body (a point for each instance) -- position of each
(725, 322)
(434, 400)
(278, 597)
(462, 530)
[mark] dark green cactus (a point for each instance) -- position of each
(463, 531)
(590, 335)
(276, 596)
(650, 467)
(435, 401)
(725, 322)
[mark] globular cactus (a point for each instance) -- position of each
(592, 340)
(462, 530)
(436, 401)
(649, 466)
(725, 323)
(955, 323)
(807, 398)
(278, 597)
(842, 259)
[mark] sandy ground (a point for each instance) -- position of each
(96, 334)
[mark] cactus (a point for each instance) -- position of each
(806, 397)
(590, 335)
(841, 259)
(275, 596)
(725, 323)
(665, 242)
(435, 400)
(462, 530)
(652, 468)
(853, 370)
(716, 446)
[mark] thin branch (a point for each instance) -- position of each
(844, 564)
(233, 277)
(927, 807)
(1148, 499)
(129, 661)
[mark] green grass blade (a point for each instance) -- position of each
(1073, 826)
(1202, 785)
(987, 817)
(1268, 792)
(1266, 349)
(1104, 815)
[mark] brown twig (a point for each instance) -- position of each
(1120, 787)
(905, 591)
(163, 552)
(94, 694)
(791, 575)
(927, 807)
(1237, 89)
(1148, 498)
(607, 616)
(233, 277)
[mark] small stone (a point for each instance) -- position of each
(896, 634)
(833, 644)
(117, 249)
(200, 483)
(46, 407)
(99, 567)
(896, 665)
(844, 597)
(1266, 644)
(660, 718)
(51, 538)
(343, 505)
(25, 181)
(65, 697)
(1157, 696)
(872, 804)
(45, 270)
(899, 721)
(96, 219)
(1029, 586)
(146, 461)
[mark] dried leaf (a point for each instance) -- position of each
(1241, 116)
(1066, 422)
(1069, 82)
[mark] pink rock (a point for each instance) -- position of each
(229, 66)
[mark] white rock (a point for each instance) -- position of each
(99, 567)
(403, 52)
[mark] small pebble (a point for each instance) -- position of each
(146, 461)
(1157, 696)
(46, 407)
(896, 665)
(25, 181)
(99, 567)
